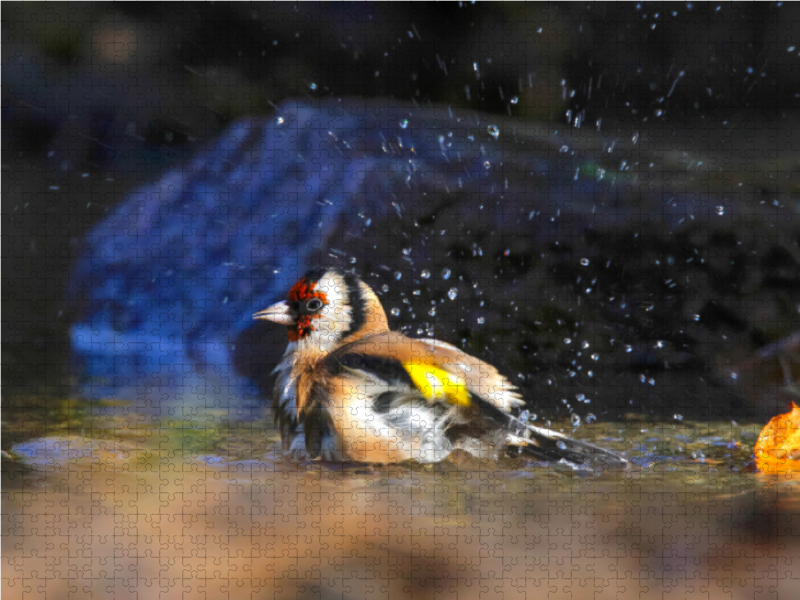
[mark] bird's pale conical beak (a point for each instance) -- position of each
(277, 313)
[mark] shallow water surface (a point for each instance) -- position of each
(124, 505)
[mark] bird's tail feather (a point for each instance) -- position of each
(545, 444)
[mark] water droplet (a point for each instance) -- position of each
(628, 349)
(494, 131)
(446, 274)
(452, 293)
(432, 312)
(403, 123)
(720, 210)
(567, 341)
(385, 288)
(425, 274)
(416, 292)
(677, 417)
(312, 86)
(590, 418)
(481, 320)
(280, 121)
(395, 312)
(561, 445)
(575, 420)
(585, 262)
(398, 275)
(595, 357)
(523, 416)
(515, 99)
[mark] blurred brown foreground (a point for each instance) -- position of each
(106, 525)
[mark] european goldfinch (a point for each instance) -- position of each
(349, 389)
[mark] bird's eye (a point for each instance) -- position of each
(314, 304)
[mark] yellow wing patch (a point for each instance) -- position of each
(437, 384)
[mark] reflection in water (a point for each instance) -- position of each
(177, 511)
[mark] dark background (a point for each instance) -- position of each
(101, 98)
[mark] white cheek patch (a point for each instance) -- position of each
(335, 317)
(335, 291)
(326, 318)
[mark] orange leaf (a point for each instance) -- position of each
(778, 447)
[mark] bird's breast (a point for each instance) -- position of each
(311, 387)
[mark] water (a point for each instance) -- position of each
(122, 503)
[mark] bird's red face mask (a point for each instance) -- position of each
(303, 304)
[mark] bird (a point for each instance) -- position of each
(349, 389)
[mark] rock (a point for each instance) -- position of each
(167, 284)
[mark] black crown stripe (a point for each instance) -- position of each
(357, 302)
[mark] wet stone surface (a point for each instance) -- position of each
(191, 510)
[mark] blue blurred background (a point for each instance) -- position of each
(599, 199)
